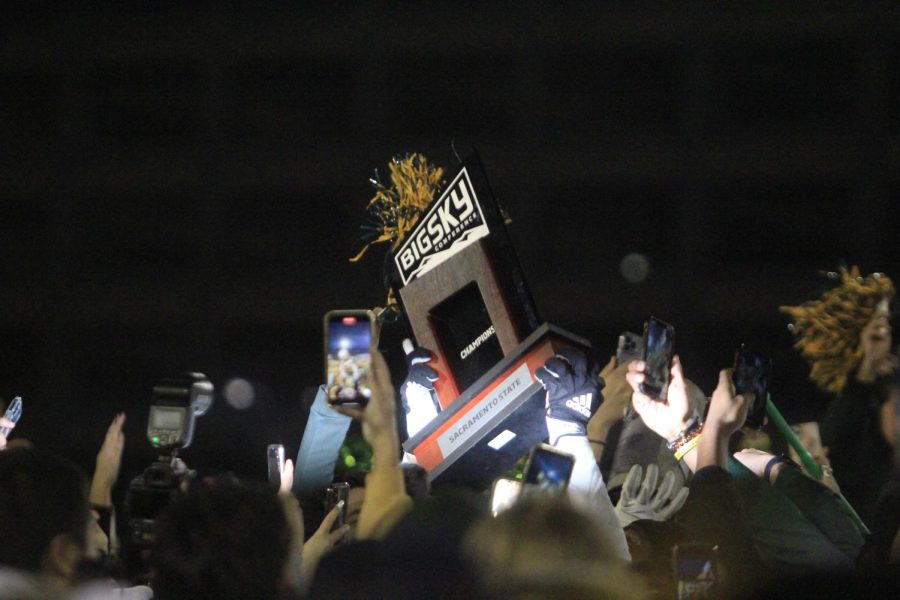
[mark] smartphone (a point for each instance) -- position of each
(752, 373)
(695, 568)
(630, 347)
(275, 459)
(334, 493)
(659, 341)
(548, 470)
(504, 494)
(348, 363)
(13, 413)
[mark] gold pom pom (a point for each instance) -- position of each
(395, 209)
(828, 329)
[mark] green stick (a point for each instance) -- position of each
(809, 463)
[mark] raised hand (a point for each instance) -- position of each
(109, 459)
(5, 423)
(379, 425)
(727, 410)
(286, 481)
(667, 418)
(727, 413)
(616, 398)
(323, 541)
(573, 386)
(617, 391)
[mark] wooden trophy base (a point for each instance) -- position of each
(470, 268)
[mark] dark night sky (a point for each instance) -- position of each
(181, 188)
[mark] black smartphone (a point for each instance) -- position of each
(752, 373)
(630, 347)
(695, 568)
(13, 413)
(334, 493)
(275, 459)
(548, 470)
(659, 342)
(348, 361)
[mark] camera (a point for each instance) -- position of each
(175, 406)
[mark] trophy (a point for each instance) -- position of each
(461, 288)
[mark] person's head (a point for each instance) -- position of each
(650, 544)
(44, 513)
(829, 330)
(227, 541)
(545, 548)
(419, 558)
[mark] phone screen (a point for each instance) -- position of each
(659, 340)
(548, 469)
(695, 570)
(752, 373)
(348, 363)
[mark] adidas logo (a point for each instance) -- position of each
(581, 404)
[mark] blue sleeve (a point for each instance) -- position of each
(320, 446)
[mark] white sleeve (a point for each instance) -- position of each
(421, 408)
(586, 487)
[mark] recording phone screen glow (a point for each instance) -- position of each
(348, 359)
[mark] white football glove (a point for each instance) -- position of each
(644, 500)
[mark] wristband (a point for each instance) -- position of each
(687, 446)
(781, 458)
(693, 425)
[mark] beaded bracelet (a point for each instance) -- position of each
(687, 446)
(694, 425)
